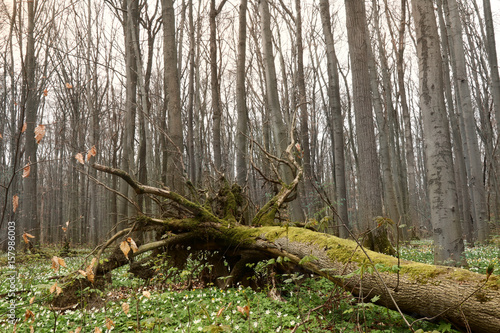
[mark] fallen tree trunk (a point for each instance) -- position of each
(465, 299)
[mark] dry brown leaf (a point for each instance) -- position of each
(25, 237)
(64, 229)
(28, 314)
(97, 330)
(61, 262)
(146, 294)
(125, 248)
(92, 152)
(79, 158)
(25, 125)
(45, 92)
(109, 323)
(55, 263)
(82, 272)
(39, 133)
(133, 245)
(244, 310)
(78, 330)
(125, 307)
(58, 290)
(220, 311)
(32, 329)
(32, 299)
(69, 85)
(26, 170)
(1, 137)
(15, 202)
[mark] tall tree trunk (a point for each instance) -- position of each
(214, 79)
(370, 202)
(175, 148)
(241, 103)
(414, 219)
(29, 198)
(335, 121)
(279, 128)
(304, 114)
(447, 231)
(464, 207)
(130, 25)
(191, 92)
(492, 58)
(473, 157)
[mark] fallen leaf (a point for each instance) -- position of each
(109, 323)
(39, 133)
(125, 307)
(244, 310)
(220, 311)
(32, 299)
(53, 288)
(125, 248)
(58, 290)
(97, 330)
(79, 158)
(15, 202)
(29, 314)
(82, 272)
(78, 330)
(146, 294)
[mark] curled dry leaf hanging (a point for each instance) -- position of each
(244, 310)
(125, 248)
(133, 245)
(92, 152)
(25, 237)
(39, 133)
(97, 330)
(24, 128)
(45, 92)
(1, 137)
(79, 158)
(69, 85)
(15, 202)
(26, 170)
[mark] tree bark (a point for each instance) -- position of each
(370, 191)
(335, 119)
(447, 231)
(241, 102)
(175, 148)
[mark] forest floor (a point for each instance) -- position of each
(178, 301)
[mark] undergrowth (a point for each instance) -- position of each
(176, 301)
